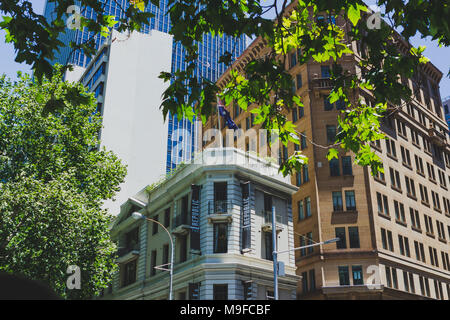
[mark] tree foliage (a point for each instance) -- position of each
(265, 83)
(53, 181)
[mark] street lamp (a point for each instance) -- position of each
(276, 252)
(138, 216)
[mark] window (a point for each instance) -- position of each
(383, 205)
(442, 181)
(325, 71)
(298, 179)
(357, 275)
(436, 202)
(415, 138)
(312, 280)
(340, 233)
(153, 263)
(446, 205)
(292, 59)
(334, 167)
(419, 165)
(220, 292)
(129, 273)
(302, 244)
(431, 174)
(410, 187)
(353, 236)
(390, 148)
(424, 194)
(167, 218)
(391, 277)
(165, 260)
(248, 289)
(395, 179)
(441, 230)
(299, 81)
(304, 282)
(386, 239)
(132, 240)
(303, 144)
(331, 134)
(220, 238)
(155, 225)
(380, 175)
(406, 158)
(433, 257)
(426, 145)
(401, 128)
(308, 206)
(420, 252)
(301, 211)
(344, 279)
(347, 166)
(340, 104)
(415, 219)
(350, 202)
(337, 201)
(310, 241)
(294, 115)
(428, 224)
(404, 246)
(305, 173)
(327, 105)
(270, 295)
(183, 248)
(399, 211)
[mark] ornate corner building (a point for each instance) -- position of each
(394, 227)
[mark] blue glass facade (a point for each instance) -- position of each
(181, 135)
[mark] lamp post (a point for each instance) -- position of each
(276, 252)
(138, 216)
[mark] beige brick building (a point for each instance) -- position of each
(394, 228)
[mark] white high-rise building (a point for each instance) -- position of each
(124, 76)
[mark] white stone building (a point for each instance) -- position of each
(230, 259)
(124, 77)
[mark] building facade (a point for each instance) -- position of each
(180, 134)
(218, 211)
(120, 75)
(395, 227)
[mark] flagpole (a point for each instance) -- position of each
(218, 119)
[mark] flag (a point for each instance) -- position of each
(226, 115)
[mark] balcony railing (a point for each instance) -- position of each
(268, 217)
(124, 251)
(437, 137)
(179, 220)
(219, 207)
(322, 83)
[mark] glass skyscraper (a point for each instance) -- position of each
(181, 135)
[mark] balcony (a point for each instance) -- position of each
(181, 225)
(437, 137)
(267, 224)
(220, 211)
(321, 86)
(127, 253)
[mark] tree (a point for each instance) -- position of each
(53, 181)
(265, 82)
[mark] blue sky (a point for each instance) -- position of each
(440, 57)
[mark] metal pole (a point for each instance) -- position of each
(171, 269)
(171, 254)
(274, 254)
